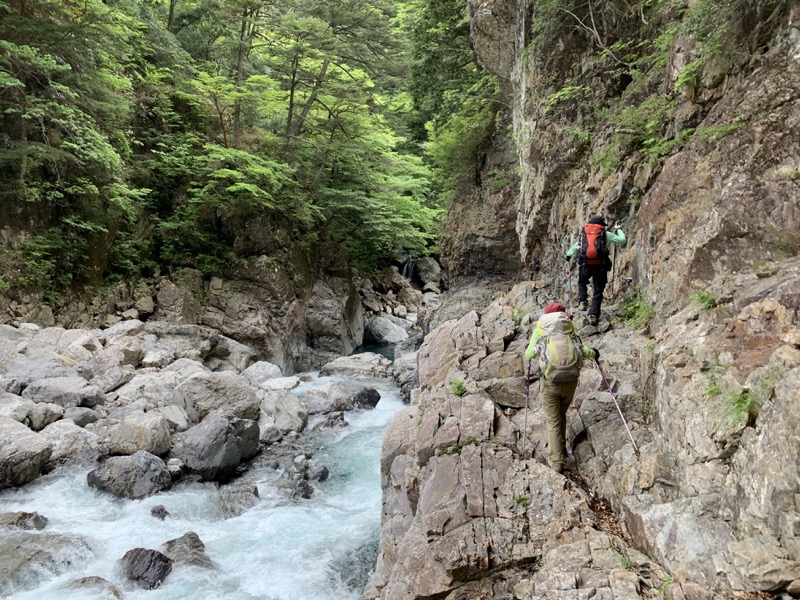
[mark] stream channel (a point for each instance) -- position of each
(284, 548)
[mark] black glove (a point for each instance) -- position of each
(596, 353)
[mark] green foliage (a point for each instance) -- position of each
(522, 500)
(743, 406)
(517, 315)
(636, 308)
(457, 387)
(455, 145)
(706, 299)
(456, 448)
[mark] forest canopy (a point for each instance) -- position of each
(139, 134)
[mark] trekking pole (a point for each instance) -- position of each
(619, 410)
(569, 286)
(527, 400)
(613, 265)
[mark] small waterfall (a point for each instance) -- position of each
(408, 268)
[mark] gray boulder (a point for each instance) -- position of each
(382, 330)
(288, 413)
(96, 585)
(27, 558)
(112, 378)
(141, 431)
(366, 364)
(23, 453)
(64, 391)
(71, 443)
(427, 270)
(259, 373)
(146, 568)
(188, 549)
(235, 500)
(81, 415)
(23, 520)
(137, 476)
(22, 371)
(340, 396)
(215, 448)
(205, 392)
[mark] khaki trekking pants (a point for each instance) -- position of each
(556, 398)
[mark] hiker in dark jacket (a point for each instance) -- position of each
(594, 261)
(561, 352)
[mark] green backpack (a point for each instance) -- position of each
(560, 354)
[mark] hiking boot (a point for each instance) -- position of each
(594, 319)
(556, 468)
(582, 305)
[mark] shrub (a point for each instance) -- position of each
(636, 309)
(457, 387)
(706, 299)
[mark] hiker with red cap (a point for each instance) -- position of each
(561, 353)
(594, 262)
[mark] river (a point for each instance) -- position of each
(322, 548)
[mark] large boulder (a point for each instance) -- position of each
(365, 364)
(141, 431)
(64, 391)
(204, 392)
(382, 330)
(20, 372)
(188, 549)
(137, 476)
(23, 453)
(29, 557)
(146, 568)
(340, 396)
(285, 410)
(215, 448)
(71, 443)
(259, 373)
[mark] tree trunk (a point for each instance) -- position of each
(318, 81)
(171, 16)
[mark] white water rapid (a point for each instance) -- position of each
(281, 549)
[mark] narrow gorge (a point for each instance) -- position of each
(260, 385)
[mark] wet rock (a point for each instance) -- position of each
(303, 489)
(215, 448)
(318, 473)
(235, 500)
(23, 520)
(160, 512)
(137, 476)
(330, 420)
(188, 549)
(26, 558)
(23, 453)
(145, 568)
(95, 585)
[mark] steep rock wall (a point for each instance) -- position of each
(708, 197)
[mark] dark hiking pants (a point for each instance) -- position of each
(599, 277)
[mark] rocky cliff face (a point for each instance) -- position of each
(702, 172)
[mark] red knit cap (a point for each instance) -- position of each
(554, 307)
